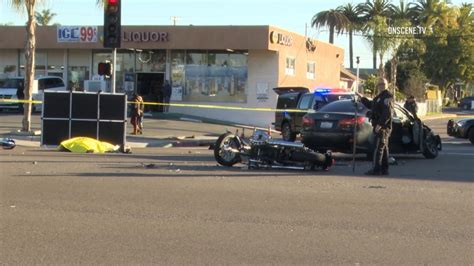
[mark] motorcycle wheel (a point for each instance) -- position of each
(225, 157)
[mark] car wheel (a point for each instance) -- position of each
(430, 150)
(286, 132)
(471, 135)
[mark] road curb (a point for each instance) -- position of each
(427, 118)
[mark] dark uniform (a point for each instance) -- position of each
(382, 109)
(411, 106)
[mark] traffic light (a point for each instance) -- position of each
(112, 25)
(105, 69)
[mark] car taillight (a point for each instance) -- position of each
(308, 121)
(349, 122)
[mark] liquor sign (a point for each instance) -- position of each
(77, 34)
(135, 36)
(280, 38)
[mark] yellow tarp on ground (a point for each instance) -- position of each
(87, 145)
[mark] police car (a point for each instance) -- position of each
(301, 98)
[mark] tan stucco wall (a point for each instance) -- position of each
(328, 59)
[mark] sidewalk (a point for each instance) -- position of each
(160, 130)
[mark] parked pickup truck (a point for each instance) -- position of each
(301, 98)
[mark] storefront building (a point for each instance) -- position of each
(212, 65)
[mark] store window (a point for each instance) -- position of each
(56, 63)
(177, 74)
(290, 66)
(310, 70)
(78, 69)
(150, 61)
(124, 69)
(40, 64)
(8, 63)
(215, 76)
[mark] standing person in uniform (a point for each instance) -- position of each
(136, 113)
(166, 95)
(381, 118)
(410, 105)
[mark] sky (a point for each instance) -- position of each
(292, 15)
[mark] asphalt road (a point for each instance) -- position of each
(176, 206)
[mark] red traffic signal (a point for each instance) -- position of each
(105, 69)
(112, 24)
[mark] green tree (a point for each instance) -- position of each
(44, 17)
(429, 13)
(355, 24)
(30, 52)
(373, 12)
(401, 16)
(369, 85)
(450, 47)
(333, 19)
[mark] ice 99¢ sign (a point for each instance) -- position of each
(77, 34)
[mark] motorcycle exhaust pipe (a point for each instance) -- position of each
(324, 160)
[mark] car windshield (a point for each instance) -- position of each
(343, 106)
(337, 97)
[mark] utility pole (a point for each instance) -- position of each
(174, 19)
(357, 79)
(114, 63)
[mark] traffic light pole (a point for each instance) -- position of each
(114, 64)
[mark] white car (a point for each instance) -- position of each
(9, 88)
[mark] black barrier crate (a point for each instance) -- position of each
(84, 106)
(112, 132)
(58, 123)
(56, 105)
(55, 131)
(112, 106)
(84, 129)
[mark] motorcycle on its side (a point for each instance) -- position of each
(261, 151)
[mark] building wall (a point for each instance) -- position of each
(328, 62)
(266, 63)
(263, 74)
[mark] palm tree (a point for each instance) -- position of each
(30, 52)
(403, 11)
(352, 14)
(401, 16)
(434, 12)
(335, 20)
(372, 12)
(44, 18)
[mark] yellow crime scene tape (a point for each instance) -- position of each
(205, 106)
(20, 101)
